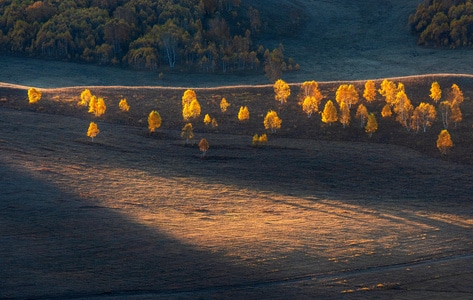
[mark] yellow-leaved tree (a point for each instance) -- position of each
(386, 111)
(371, 124)
(369, 92)
(272, 121)
(214, 122)
(329, 114)
(435, 91)
(310, 89)
(243, 113)
(93, 130)
(282, 91)
(101, 107)
(403, 108)
(388, 90)
(457, 98)
(361, 114)
(444, 141)
(188, 96)
(191, 110)
(260, 140)
(123, 105)
(154, 121)
(344, 114)
(423, 116)
(190, 105)
(34, 95)
(85, 96)
(97, 106)
(224, 105)
(348, 94)
(310, 105)
(187, 132)
(92, 104)
(456, 95)
(203, 146)
(207, 119)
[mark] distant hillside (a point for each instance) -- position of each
(207, 35)
(444, 23)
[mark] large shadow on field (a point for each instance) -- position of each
(57, 245)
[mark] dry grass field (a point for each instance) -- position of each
(319, 212)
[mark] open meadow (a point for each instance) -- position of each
(320, 211)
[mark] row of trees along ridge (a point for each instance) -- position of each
(394, 104)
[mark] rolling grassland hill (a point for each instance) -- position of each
(319, 212)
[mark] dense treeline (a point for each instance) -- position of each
(447, 23)
(205, 35)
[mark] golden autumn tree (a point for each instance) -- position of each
(263, 139)
(123, 105)
(456, 95)
(386, 111)
(348, 94)
(388, 90)
(444, 141)
(191, 110)
(329, 114)
(344, 117)
(203, 146)
(224, 105)
(85, 96)
(100, 108)
(194, 109)
(371, 125)
(403, 108)
(34, 95)
(243, 113)
(188, 96)
(93, 104)
(282, 91)
(187, 132)
(361, 114)
(154, 121)
(190, 105)
(369, 92)
(272, 121)
(435, 91)
(186, 113)
(207, 119)
(260, 140)
(310, 105)
(423, 116)
(415, 121)
(93, 130)
(456, 98)
(310, 89)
